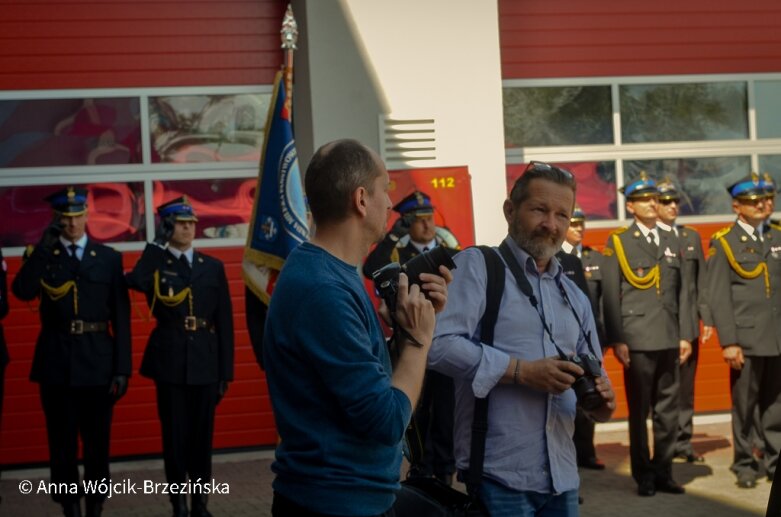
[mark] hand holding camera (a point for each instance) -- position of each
(164, 230)
(51, 234)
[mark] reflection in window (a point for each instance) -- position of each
(207, 128)
(702, 182)
(572, 115)
(223, 206)
(61, 132)
(115, 212)
(596, 193)
(768, 103)
(683, 112)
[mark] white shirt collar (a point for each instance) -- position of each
(418, 246)
(567, 247)
(666, 227)
(749, 229)
(177, 253)
(81, 243)
(645, 230)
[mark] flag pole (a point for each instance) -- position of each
(289, 35)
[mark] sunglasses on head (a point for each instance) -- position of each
(545, 167)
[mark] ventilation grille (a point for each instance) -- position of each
(406, 141)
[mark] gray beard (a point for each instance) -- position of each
(539, 247)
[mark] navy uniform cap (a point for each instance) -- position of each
(749, 187)
(180, 208)
(577, 215)
(641, 188)
(668, 191)
(69, 201)
(417, 203)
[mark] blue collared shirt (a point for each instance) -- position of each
(529, 442)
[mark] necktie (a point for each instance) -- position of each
(184, 261)
(425, 249)
(74, 248)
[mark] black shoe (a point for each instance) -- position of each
(199, 505)
(72, 509)
(592, 463)
(445, 478)
(669, 486)
(690, 457)
(747, 480)
(94, 508)
(646, 488)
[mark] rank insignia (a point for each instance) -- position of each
(711, 252)
(636, 234)
(56, 252)
(743, 238)
(92, 253)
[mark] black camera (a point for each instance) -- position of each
(386, 279)
(585, 388)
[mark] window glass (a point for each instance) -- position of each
(61, 132)
(596, 182)
(115, 212)
(223, 206)
(545, 116)
(768, 104)
(683, 112)
(207, 128)
(702, 182)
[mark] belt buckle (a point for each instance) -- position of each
(77, 326)
(190, 323)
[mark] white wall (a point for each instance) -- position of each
(408, 59)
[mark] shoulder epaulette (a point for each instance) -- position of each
(775, 226)
(28, 250)
(721, 233)
(619, 231)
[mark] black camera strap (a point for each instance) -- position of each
(526, 289)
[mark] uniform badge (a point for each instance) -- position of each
(640, 271)
(711, 252)
(170, 291)
(169, 261)
(608, 252)
(743, 238)
(636, 234)
(200, 259)
(587, 273)
(92, 253)
(56, 252)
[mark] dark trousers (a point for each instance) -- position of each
(756, 385)
(434, 417)
(2, 385)
(187, 424)
(688, 370)
(651, 383)
(70, 412)
(281, 506)
(584, 437)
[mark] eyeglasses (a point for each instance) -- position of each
(545, 167)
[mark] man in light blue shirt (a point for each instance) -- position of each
(530, 466)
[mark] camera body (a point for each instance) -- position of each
(584, 386)
(386, 279)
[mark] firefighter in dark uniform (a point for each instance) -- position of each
(82, 358)
(742, 281)
(589, 261)
(693, 271)
(647, 324)
(3, 348)
(190, 351)
(413, 233)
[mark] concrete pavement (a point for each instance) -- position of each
(711, 490)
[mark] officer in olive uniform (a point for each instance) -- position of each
(82, 357)
(589, 270)
(647, 323)
(190, 352)
(413, 233)
(693, 272)
(743, 280)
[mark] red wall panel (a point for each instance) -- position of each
(572, 38)
(244, 417)
(124, 44)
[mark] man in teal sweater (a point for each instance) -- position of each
(341, 406)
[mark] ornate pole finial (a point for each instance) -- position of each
(289, 30)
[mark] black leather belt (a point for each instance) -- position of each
(191, 323)
(81, 326)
